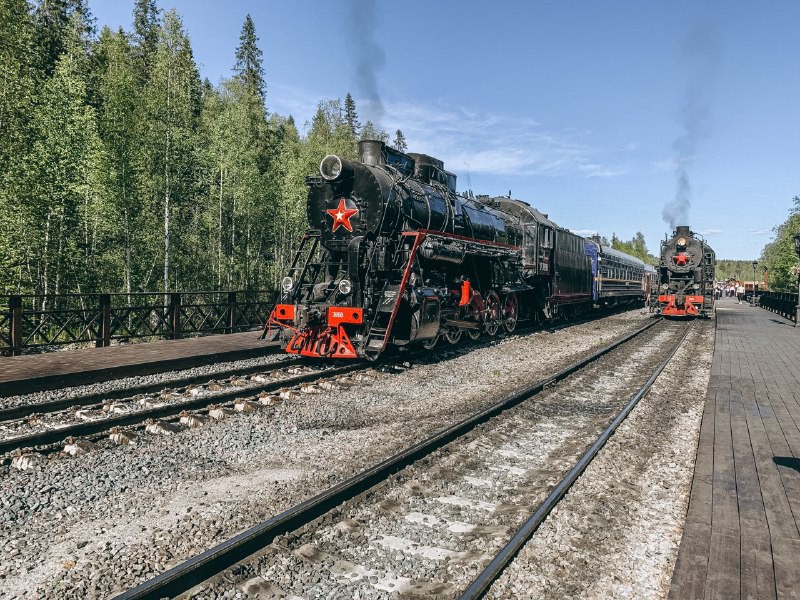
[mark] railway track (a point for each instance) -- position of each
(23, 410)
(295, 542)
(46, 426)
(166, 406)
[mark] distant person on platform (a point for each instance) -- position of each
(739, 293)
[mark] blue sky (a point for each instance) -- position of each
(600, 114)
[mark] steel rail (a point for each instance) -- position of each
(98, 398)
(483, 582)
(23, 411)
(59, 434)
(199, 568)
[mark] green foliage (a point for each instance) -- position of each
(741, 270)
(63, 181)
(19, 81)
(779, 255)
(121, 171)
(53, 20)
(117, 118)
(351, 116)
(371, 132)
(171, 100)
(400, 141)
(249, 67)
(635, 247)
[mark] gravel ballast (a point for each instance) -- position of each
(89, 525)
(616, 534)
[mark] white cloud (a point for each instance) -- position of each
(467, 140)
(471, 141)
(710, 231)
(663, 166)
(760, 231)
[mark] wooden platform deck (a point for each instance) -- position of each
(742, 534)
(25, 374)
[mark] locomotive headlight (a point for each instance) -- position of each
(286, 284)
(681, 241)
(331, 167)
(345, 287)
(696, 286)
(665, 286)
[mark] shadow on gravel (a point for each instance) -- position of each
(787, 461)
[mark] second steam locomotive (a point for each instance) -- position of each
(394, 256)
(686, 276)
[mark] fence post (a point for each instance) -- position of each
(15, 307)
(175, 315)
(231, 328)
(105, 321)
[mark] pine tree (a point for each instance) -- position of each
(400, 141)
(52, 22)
(351, 116)
(249, 67)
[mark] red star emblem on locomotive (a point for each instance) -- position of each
(342, 215)
(681, 259)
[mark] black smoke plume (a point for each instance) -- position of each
(368, 57)
(701, 57)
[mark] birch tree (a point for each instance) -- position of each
(172, 104)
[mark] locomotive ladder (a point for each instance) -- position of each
(385, 306)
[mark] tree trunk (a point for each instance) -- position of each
(219, 231)
(166, 185)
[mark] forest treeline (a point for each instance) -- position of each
(121, 170)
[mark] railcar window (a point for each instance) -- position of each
(546, 237)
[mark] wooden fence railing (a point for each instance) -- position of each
(782, 303)
(30, 322)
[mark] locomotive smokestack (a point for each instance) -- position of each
(682, 231)
(371, 152)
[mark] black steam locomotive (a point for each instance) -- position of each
(394, 256)
(686, 276)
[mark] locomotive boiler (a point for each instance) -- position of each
(394, 256)
(686, 276)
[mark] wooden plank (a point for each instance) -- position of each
(724, 510)
(768, 442)
(787, 574)
(757, 579)
(724, 568)
(691, 566)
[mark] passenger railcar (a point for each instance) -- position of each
(394, 256)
